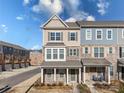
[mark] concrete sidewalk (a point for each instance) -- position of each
(6, 74)
(25, 85)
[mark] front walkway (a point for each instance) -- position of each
(90, 85)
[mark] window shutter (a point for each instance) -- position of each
(77, 52)
(120, 51)
(68, 36)
(61, 36)
(67, 51)
(76, 36)
(49, 36)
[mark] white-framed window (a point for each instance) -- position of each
(73, 52)
(54, 36)
(109, 34)
(122, 33)
(72, 36)
(55, 54)
(110, 50)
(99, 34)
(88, 34)
(99, 52)
(86, 50)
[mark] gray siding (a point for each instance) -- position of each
(120, 39)
(94, 41)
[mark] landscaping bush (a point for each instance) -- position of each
(83, 88)
(60, 84)
(121, 89)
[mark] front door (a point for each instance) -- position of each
(73, 75)
(123, 73)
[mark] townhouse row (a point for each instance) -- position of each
(13, 56)
(81, 51)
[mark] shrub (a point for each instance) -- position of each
(121, 89)
(60, 84)
(54, 84)
(83, 88)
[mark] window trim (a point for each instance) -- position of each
(101, 34)
(55, 36)
(86, 34)
(73, 51)
(58, 59)
(122, 33)
(99, 52)
(111, 34)
(70, 36)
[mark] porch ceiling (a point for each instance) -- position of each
(95, 62)
(65, 64)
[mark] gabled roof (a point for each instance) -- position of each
(55, 17)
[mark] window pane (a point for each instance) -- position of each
(58, 36)
(110, 50)
(70, 52)
(95, 52)
(61, 53)
(88, 35)
(48, 53)
(122, 51)
(86, 50)
(75, 52)
(52, 36)
(109, 34)
(72, 36)
(55, 54)
(99, 34)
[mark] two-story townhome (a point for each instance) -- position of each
(61, 52)
(91, 51)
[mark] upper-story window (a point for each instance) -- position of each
(72, 36)
(88, 34)
(55, 54)
(99, 34)
(55, 36)
(73, 52)
(109, 34)
(99, 52)
(121, 52)
(123, 33)
(110, 50)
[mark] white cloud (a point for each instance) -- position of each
(20, 18)
(35, 47)
(102, 6)
(90, 18)
(53, 6)
(3, 28)
(26, 2)
(71, 19)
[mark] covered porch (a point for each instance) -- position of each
(120, 66)
(66, 72)
(96, 70)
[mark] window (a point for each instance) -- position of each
(55, 36)
(55, 54)
(86, 50)
(109, 34)
(110, 50)
(88, 34)
(123, 33)
(73, 52)
(99, 34)
(48, 53)
(111, 70)
(122, 52)
(72, 36)
(61, 53)
(98, 52)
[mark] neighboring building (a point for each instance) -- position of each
(80, 51)
(36, 57)
(13, 56)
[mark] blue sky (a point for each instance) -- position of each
(20, 20)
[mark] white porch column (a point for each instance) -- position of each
(54, 74)
(108, 74)
(84, 71)
(41, 75)
(67, 75)
(79, 75)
